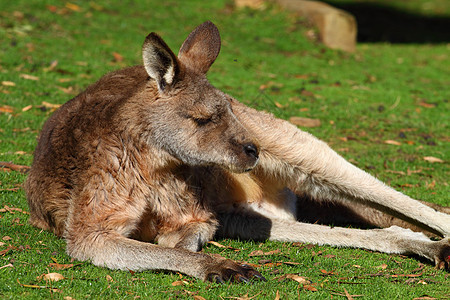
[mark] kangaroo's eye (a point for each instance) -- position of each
(202, 121)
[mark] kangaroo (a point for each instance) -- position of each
(149, 163)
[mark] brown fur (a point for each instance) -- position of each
(154, 153)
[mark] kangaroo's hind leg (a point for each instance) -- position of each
(308, 166)
(344, 213)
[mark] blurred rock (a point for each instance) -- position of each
(337, 28)
(255, 4)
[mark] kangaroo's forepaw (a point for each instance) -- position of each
(443, 259)
(228, 270)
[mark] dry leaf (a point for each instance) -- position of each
(6, 238)
(222, 246)
(109, 278)
(431, 185)
(14, 167)
(73, 7)
(433, 159)
(298, 278)
(277, 295)
(67, 90)
(306, 93)
(325, 272)
(347, 294)
(309, 288)
(427, 105)
(279, 105)
(60, 266)
(28, 107)
(7, 266)
(8, 83)
(50, 105)
(406, 275)
(179, 282)
(29, 77)
(383, 266)
(6, 109)
(117, 57)
(53, 277)
(392, 142)
(197, 297)
(53, 65)
(261, 253)
(305, 122)
(64, 80)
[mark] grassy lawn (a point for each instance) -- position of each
(384, 107)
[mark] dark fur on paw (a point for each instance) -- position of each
(228, 270)
(443, 259)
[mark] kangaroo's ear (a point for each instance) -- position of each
(201, 47)
(159, 61)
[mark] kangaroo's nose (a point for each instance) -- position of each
(251, 150)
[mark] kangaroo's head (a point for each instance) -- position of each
(189, 118)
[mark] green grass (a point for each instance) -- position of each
(381, 92)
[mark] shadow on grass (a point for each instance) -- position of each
(378, 22)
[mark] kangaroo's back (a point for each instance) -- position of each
(68, 143)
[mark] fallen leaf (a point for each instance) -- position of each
(277, 295)
(64, 80)
(7, 266)
(179, 282)
(53, 277)
(309, 288)
(427, 105)
(325, 272)
(29, 77)
(279, 105)
(290, 263)
(262, 253)
(424, 298)
(6, 238)
(347, 294)
(222, 246)
(6, 109)
(73, 7)
(58, 266)
(383, 266)
(298, 278)
(52, 66)
(117, 57)
(68, 90)
(305, 122)
(28, 107)
(392, 142)
(6, 208)
(433, 159)
(8, 83)
(431, 185)
(3, 252)
(197, 297)
(14, 167)
(306, 93)
(109, 278)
